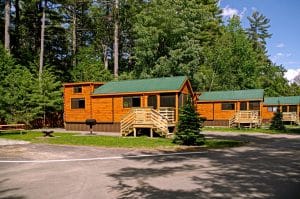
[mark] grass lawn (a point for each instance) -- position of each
(110, 141)
(289, 129)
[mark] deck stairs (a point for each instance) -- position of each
(251, 118)
(145, 118)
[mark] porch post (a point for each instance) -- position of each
(151, 133)
(134, 132)
(176, 107)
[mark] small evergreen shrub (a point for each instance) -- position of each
(189, 126)
(277, 123)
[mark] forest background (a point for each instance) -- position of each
(47, 42)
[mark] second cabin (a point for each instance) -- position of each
(289, 106)
(231, 108)
(128, 106)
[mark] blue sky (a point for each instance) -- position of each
(284, 46)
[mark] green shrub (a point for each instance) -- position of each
(189, 126)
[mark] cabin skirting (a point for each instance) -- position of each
(101, 127)
(216, 123)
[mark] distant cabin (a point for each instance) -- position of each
(127, 106)
(289, 106)
(231, 108)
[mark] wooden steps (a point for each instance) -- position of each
(144, 118)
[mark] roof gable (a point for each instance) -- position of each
(290, 100)
(142, 85)
(252, 94)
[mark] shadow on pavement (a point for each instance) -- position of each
(269, 168)
(8, 193)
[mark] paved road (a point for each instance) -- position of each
(267, 167)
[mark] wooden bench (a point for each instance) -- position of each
(12, 127)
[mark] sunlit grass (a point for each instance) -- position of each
(110, 141)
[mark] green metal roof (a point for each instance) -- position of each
(252, 94)
(142, 85)
(290, 100)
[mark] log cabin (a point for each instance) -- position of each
(289, 106)
(127, 106)
(231, 108)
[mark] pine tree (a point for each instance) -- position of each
(277, 123)
(189, 126)
(258, 31)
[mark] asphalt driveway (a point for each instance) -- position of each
(267, 167)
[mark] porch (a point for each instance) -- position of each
(245, 118)
(157, 121)
(290, 117)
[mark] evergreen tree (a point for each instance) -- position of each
(277, 123)
(189, 126)
(258, 31)
(21, 96)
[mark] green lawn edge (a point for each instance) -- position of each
(114, 141)
(289, 130)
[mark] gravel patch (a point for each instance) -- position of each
(11, 142)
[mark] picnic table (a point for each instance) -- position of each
(12, 127)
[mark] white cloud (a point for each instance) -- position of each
(291, 74)
(280, 45)
(229, 12)
(279, 54)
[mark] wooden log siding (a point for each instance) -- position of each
(214, 114)
(108, 109)
(267, 115)
(78, 115)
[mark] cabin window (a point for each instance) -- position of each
(168, 100)
(243, 106)
(183, 98)
(293, 108)
(77, 89)
(77, 103)
(129, 102)
(152, 101)
(254, 105)
(284, 109)
(228, 106)
(272, 108)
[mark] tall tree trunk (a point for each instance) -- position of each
(116, 40)
(17, 7)
(42, 41)
(105, 58)
(7, 24)
(74, 35)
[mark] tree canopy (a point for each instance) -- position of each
(156, 38)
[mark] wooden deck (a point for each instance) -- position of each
(156, 121)
(290, 117)
(250, 118)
